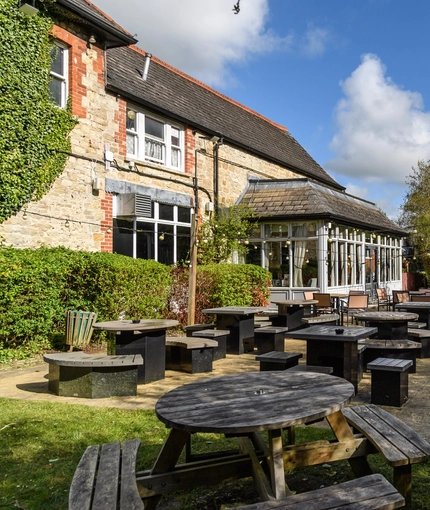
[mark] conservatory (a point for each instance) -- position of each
(311, 237)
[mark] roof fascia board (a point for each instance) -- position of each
(99, 23)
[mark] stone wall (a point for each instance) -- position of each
(77, 214)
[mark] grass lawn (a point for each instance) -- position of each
(41, 444)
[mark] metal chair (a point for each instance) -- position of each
(324, 304)
(383, 298)
(356, 303)
(400, 296)
(79, 328)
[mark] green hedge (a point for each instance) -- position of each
(38, 286)
(219, 285)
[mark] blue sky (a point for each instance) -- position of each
(348, 78)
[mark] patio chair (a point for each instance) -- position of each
(324, 304)
(356, 303)
(79, 328)
(400, 296)
(383, 299)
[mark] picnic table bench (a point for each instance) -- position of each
(106, 478)
(399, 445)
(369, 492)
(190, 354)
(77, 374)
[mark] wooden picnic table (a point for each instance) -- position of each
(391, 325)
(146, 337)
(291, 312)
(324, 347)
(422, 308)
(239, 320)
(244, 405)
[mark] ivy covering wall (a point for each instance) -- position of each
(32, 128)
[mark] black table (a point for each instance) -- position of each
(324, 347)
(391, 325)
(422, 308)
(148, 338)
(242, 406)
(239, 320)
(291, 312)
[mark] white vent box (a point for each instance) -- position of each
(133, 204)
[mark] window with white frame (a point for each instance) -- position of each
(164, 237)
(58, 86)
(154, 139)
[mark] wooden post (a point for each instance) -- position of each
(193, 271)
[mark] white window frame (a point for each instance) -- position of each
(140, 138)
(62, 78)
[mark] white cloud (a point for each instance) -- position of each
(382, 130)
(199, 38)
(315, 41)
(204, 39)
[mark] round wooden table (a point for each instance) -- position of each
(243, 405)
(391, 325)
(146, 337)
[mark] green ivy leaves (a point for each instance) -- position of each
(32, 129)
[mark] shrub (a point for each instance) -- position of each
(38, 286)
(218, 285)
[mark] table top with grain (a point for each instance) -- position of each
(349, 333)
(235, 310)
(385, 316)
(295, 302)
(143, 325)
(253, 401)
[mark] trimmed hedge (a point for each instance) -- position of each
(38, 286)
(218, 285)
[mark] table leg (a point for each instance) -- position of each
(167, 459)
(276, 464)
(343, 432)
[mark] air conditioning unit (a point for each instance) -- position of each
(133, 204)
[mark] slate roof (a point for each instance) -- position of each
(191, 102)
(304, 199)
(113, 33)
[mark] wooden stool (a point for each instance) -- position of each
(220, 335)
(270, 338)
(276, 360)
(389, 381)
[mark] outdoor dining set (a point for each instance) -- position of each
(262, 408)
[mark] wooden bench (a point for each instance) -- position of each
(399, 445)
(329, 318)
(221, 336)
(190, 354)
(77, 374)
(269, 338)
(389, 386)
(189, 330)
(106, 478)
(370, 492)
(417, 325)
(423, 337)
(276, 360)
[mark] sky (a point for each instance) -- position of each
(348, 78)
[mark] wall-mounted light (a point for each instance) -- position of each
(92, 40)
(28, 9)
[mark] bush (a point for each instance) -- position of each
(38, 286)
(218, 285)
